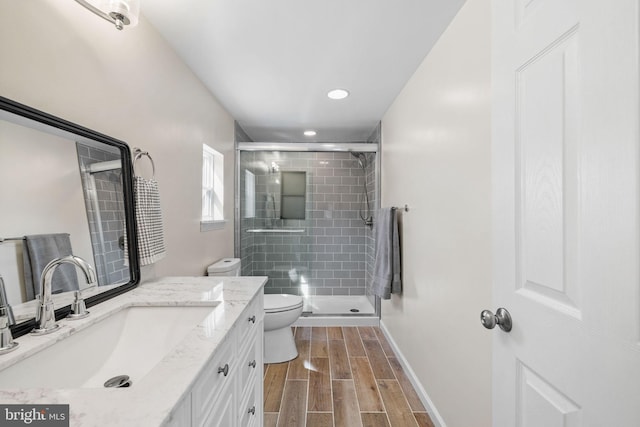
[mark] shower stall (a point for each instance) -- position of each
(304, 215)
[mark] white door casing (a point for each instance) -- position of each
(566, 212)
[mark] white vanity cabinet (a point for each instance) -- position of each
(250, 385)
(228, 392)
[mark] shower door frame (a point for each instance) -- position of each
(364, 147)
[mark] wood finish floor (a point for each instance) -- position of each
(342, 377)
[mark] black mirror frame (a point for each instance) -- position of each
(127, 181)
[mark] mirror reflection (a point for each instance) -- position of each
(62, 194)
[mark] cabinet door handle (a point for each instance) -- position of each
(224, 370)
(252, 411)
(253, 363)
(252, 319)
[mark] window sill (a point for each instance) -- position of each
(212, 225)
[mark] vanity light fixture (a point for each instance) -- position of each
(121, 13)
(338, 93)
(309, 133)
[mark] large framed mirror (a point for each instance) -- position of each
(65, 188)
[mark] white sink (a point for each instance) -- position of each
(130, 342)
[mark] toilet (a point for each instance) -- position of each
(280, 312)
(225, 267)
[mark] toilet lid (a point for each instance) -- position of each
(281, 302)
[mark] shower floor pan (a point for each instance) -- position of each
(337, 311)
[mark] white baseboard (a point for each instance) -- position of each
(417, 385)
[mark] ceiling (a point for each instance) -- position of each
(271, 62)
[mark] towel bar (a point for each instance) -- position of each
(2, 239)
(276, 230)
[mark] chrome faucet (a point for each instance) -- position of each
(45, 314)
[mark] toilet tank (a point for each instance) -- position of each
(225, 267)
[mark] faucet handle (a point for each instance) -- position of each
(5, 308)
(7, 343)
(6, 319)
(78, 307)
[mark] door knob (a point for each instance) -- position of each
(502, 318)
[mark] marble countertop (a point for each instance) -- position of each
(150, 400)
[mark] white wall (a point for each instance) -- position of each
(60, 58)
(436, 158)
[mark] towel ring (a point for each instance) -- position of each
(138, 155)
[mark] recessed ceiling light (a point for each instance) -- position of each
(309, 133)
(338, 93)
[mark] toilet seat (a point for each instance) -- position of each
(276, 303)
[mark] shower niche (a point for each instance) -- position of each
(293, 190)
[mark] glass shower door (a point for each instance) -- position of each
(321, 251)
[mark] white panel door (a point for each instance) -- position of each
(566, 212)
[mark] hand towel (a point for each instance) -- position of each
(386, 268)
(148, 221)
(40, 249)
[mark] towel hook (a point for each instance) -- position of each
(138, 154)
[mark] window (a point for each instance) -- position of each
(212, 189)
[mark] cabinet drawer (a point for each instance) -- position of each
(222, 412)
(252, 317)
(211, 383)
(250, 407)
(250, 360)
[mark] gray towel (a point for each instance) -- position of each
(38, 251)
(386, 268)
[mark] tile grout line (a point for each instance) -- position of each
(333, 409)
(306, 409)
(285, 384)
(286, 378)
(333, 416)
